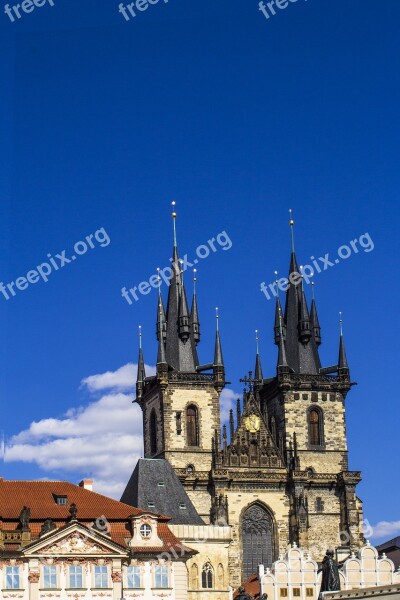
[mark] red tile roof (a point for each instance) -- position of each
(252, 587)
(40, 497)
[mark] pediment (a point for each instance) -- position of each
(74, 540)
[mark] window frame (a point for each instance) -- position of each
(162, 572)
(103, 573)
(54, 573)
(320, 428)
(196, 418)
(75, 574)
(128, 575)
(13, 571)
(207, 577)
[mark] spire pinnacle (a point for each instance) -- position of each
(291, 225)
(194, 313)
(173, 204)
(258, 374)
(218, 360)
(314, 321)
(282, 360)
(342, 363)
(141, 372)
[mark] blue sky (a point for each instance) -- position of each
(237, 118)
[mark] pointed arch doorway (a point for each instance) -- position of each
(258, 539)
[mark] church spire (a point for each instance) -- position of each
(180, 348)
(315, 326)
(141, 371)
(218, 360)
(160, 331)
(194, 313)
(301, 348)
(342, 362)
(304, 321)
(282, 365)
(258, 374)
(218, 367)
(278, 312)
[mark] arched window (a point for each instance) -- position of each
(257, 539)
(315, 427)
(207, 577)
(153, 432)
(192, 426)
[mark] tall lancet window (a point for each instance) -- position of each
(315, 432)
(207, 577)
(257, 539)
(192, 426)
(153, 432)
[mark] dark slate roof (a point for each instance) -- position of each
(391, 544)
(154, 486)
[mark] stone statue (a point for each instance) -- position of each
(73, 511)
(330, 574)
(47, 526)
(242, 595)
(24, 517)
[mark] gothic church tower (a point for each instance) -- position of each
(277, 473)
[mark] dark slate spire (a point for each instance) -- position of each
(301, 349)
(194, 313)
(218, 360)
(160, 313)
(180, 346)
(141, 372)
(161, 359)
(315, 326)
(258, 374)
(184, 317)
(278, 311)
(342, 363)
(304, 321)
(282, 365)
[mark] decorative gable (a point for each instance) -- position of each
(74, 540)
(251, 444)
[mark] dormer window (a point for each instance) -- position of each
(145, 531)
(61, 500)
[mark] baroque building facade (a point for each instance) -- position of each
(62, 541)
(277, 473)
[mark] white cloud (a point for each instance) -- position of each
(228, 401)
(123, 378)
(102, 439)
(386, 530)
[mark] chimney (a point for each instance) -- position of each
(87, 484)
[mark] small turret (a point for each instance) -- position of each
(315, 327)
(141, 372)
(194, 313)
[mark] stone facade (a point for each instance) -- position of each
(277, 473)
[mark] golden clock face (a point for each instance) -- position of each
(252, 423)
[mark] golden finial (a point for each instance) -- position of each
(291, 224)
(276, 283)
(194, 280)
(217, 316)
(341, 322)
(173, 204)
(312, 290)
(257, 349)
(140, 336)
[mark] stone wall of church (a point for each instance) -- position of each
(211, 544)
(176, 399)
